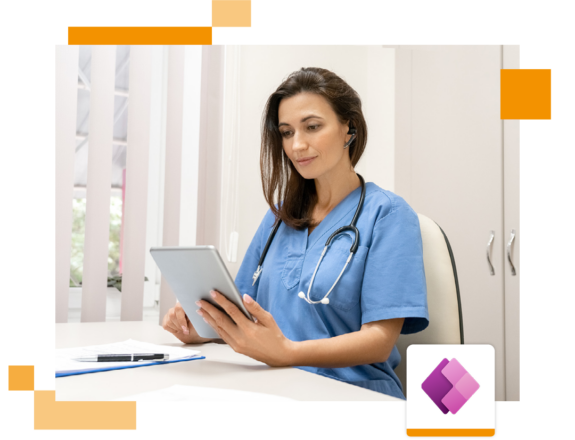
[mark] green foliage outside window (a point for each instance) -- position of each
(78, 232)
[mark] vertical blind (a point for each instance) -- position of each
(66, 102)
(136, 200)
(98, 186)
(189, 134)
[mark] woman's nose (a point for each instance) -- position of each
(299, 142)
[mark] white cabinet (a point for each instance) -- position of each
(457, 163)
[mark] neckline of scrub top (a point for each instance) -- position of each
(338, 212)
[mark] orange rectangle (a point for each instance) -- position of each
(21, 378)
(231, 13)
(451, 432)
(525, 94)
(139, 35)
(82, 418)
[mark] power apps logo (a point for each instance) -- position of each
(462, 386)
(450, 386)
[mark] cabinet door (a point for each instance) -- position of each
(449, 159)
(521, 338)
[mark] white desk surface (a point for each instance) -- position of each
(222, 368)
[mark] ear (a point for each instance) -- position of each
(345, 130)
(347, 126)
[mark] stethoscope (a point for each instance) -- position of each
(352, 250)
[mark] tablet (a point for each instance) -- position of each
(192, 272)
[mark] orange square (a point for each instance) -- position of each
(21, 377)
(231, 13)
(525, 93)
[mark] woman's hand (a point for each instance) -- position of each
(261, 340)
(178, 324)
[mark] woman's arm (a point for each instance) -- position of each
(370, 345)
(264, 341)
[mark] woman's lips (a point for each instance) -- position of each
(305, 161)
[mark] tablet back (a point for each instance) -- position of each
(192, 272)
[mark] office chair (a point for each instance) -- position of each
(443, 301)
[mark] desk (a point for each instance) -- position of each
(222, 368)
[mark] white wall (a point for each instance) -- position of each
(368, 69)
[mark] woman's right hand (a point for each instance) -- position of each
(178, 324)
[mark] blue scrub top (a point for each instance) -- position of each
(385, 279)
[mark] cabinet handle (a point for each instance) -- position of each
(489, 247)
(509, 252)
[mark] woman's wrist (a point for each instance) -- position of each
(293, 353)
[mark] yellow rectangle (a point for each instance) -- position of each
(50, 414)
(231, 13)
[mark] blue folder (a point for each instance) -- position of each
(122, 367)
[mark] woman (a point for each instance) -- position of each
(314, 133)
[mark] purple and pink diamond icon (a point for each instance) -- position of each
(450, 386)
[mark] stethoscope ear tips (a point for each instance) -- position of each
(325, 301)
(301, 295)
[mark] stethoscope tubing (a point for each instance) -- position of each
(352, 250)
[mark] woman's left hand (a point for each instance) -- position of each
(261, 340)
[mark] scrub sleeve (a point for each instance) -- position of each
(394, 277)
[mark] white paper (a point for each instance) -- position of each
(64, 356)
(201, 394)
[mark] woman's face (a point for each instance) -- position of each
(313, 138)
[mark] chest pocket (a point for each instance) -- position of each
(347, 292)
(291, 272)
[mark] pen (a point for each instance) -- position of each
(135, 357)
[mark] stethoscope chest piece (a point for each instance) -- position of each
(323, 301)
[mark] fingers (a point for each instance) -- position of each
(170, 330)
(217, 318)
(219, 330)
(167, 322)
(175, 321)
(181, 321)
(261, 315)
(231, 309)
(186, 339)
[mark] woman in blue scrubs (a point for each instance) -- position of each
(314, 133)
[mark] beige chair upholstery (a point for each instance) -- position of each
(443, 302)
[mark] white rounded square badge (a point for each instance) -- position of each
(450, 390)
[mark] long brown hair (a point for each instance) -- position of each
(280, 179)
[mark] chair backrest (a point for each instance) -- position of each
(443, 301)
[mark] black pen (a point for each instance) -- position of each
(135, 357)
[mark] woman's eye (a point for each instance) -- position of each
(285, 133)
(313, 127)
